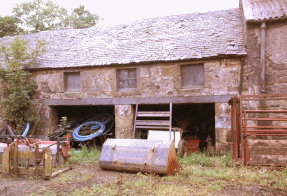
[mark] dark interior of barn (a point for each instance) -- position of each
(197, 120)
(77, 115)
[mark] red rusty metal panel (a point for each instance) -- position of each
(249, 119)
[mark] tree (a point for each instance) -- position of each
(42, 16)
(18, 103)
(9, 25)
(83, 18)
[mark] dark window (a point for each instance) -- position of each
(73, 81)
(127, 79)
(192, 75)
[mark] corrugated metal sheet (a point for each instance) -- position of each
(265, 9)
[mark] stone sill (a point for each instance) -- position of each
(72, 95)
(192, 88)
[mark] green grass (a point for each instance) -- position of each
(84, 155)
(202, 175)
(205, 160)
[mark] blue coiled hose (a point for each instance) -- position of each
(26, 130)
(81, 138)
(94, 125)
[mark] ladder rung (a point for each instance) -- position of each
(153, 122)
(153, 114)
(152, 127)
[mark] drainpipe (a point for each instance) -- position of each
(241, 76)
(262, 60)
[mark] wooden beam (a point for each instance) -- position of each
(138, 100)
(6, 161)
(54, 174)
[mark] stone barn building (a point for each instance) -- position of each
(265, 35)
(264, 75)
(195, 61)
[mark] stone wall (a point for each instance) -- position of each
(267, 150)
(222, 77)
(124, 119)
(160, 80)
(223, 132)
(276, 59)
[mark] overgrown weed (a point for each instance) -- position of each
(202, 174)
(84, 155)
(203, 159)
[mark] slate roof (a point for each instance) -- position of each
(264, 9)
(187, 36)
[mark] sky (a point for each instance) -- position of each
(124, 11)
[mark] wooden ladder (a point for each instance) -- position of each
(163, 122)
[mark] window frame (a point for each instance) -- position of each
(66, 75)
(184, 85)
(118, 80)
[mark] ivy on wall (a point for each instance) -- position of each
(18, 103)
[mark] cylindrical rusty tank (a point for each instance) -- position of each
(138, 155)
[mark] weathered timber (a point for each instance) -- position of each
(153, 114)
(17, 168)
(153, 122)
(54, 174)
(6, 161)
(152, 127)
(140, 100)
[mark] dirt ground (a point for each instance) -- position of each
(14, 185)
(83, 175)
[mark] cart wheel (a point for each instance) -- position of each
(182, 148)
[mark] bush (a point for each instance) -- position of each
(18, 103)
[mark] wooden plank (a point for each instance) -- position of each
(37, 161)
(6, 161)
(139, 100)
(15, 157)
(48, 162)
(153, 122)
(30, 171)
(135, 119)
(153, 114)
(153, 127)
(26, 154)
(54, 174)
(170, 120)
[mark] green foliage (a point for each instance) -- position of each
(41, 16)
(83, 18)
(203, 159)
(9, 25)
(18, 104)
(63, 126)
(84, 155)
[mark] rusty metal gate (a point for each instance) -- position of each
(259, 128)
